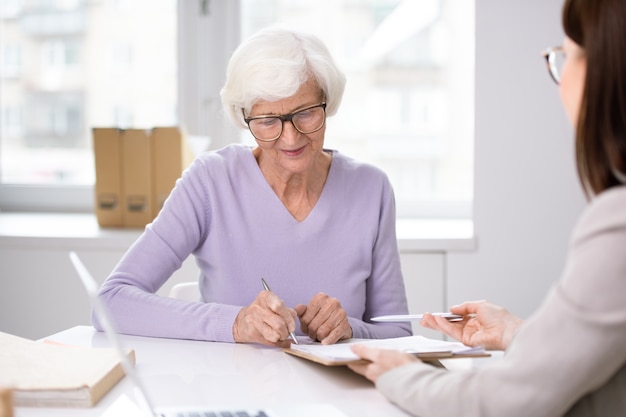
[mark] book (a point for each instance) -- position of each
(136, 178)
(6, 403)
(422, 347)
(42, 374)
(108, 186)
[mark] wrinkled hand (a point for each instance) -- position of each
(267, 320)
(324, 319)
(381, 361)
(490, 326)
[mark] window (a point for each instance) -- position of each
(65, 67)
(408, 105)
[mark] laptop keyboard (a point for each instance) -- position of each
(220, 414)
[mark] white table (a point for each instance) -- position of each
(190, 373)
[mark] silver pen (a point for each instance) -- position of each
(267, 288)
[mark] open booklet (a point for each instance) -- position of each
(424, 348)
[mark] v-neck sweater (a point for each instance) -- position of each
(224, 213)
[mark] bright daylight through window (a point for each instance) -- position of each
(69, 65)
(409, 101)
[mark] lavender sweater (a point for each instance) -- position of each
(225, 213)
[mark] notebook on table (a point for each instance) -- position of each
(146, 405)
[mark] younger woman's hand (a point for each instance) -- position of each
(483, 324)
(380, 361)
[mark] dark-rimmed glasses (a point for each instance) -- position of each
(268, 128)
(555, 57)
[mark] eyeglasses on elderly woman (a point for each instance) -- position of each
(268, 128)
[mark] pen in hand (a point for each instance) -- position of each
(267, 288)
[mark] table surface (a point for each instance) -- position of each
(194, 373)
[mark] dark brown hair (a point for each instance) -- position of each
(599, 28)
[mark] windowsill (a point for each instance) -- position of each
(60, 230)
(435, 235)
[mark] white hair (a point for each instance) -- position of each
(272, 65)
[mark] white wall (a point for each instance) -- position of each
(40, 293)
(527, 196)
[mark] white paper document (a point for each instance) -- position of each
(409, 344)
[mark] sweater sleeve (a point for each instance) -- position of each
(571, 347)
(129, 293)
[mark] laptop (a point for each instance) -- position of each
(146, 406)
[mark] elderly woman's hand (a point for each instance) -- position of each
(324, 319)
(267, 320)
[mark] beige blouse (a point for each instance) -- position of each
(569, 358)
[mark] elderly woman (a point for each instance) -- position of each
(318, 226)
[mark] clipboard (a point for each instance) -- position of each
(426, 357)
(427, 350)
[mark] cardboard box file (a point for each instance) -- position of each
(108, 192)
(136, 178)
(136, 170)
(171, 154)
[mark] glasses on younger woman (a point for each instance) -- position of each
(269, 128)
(555, 57)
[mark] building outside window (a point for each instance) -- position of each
(68, 66)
